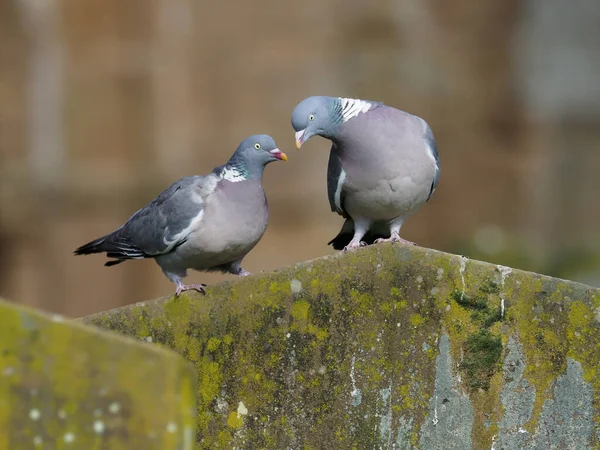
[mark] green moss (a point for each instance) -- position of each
(481, 303)
(481, 359)
(489, 286)
(481, 346)
(488, 316)
(467, 301)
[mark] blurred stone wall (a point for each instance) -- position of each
(104, 103)
(65, 385)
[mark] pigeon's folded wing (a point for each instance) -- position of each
(432, 147)
(162, 225)
(335, 183)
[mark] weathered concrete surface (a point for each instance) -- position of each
(67, 386)
(386, 347)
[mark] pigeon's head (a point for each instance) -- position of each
(257, 151)
(314, 116)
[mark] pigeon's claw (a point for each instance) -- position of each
(354, 244)
(395, 237)
(189, 287)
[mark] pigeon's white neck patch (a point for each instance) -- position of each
(352, 107)
(232, 174)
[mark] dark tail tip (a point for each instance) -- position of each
(101, 246)
(114, 262)
(340, 241)
(94, 246)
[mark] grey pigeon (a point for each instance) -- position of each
(383, 165)
(206, 223)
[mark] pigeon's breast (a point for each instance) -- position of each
(235, 219)
(385, 199)
(388, 170)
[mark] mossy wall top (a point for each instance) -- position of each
(67, 386)
(389, 346)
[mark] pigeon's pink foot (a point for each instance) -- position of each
(354, 244)
(244, 273)
(189, 287)
(395, 237)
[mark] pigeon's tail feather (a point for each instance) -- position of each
(344, 236)
(347, 233)
(113, 247)
(96, 246)
(341, 240)
(113, 262)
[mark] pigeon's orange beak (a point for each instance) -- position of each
(279, 154)
(299, 139)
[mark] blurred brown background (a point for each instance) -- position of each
(103, 103)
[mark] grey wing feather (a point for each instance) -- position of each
(163, 224)
(159, 227)
(432, 147)
(334, 171)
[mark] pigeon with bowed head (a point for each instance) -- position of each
(383, 165)
(206, 223)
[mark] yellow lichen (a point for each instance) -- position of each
(234, 420)
(416, 320)
(300, 310)
(213, 344)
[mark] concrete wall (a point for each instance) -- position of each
(66, 386)
(386, 347)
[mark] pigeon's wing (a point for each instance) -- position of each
(168, 220)
(432, 147)
(336, 177)
(161, 226)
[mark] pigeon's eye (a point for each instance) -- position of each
(257, 146)
(311, 117)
